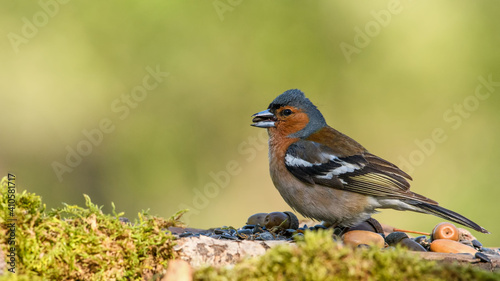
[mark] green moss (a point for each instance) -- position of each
(318, 257)
(75, 243)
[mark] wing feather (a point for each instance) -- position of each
(363, 173)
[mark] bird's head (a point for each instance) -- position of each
(290, 114)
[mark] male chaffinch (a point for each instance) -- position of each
(325, 175)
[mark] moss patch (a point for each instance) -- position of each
(75, 243)
(318, 257)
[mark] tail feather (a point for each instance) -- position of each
(448, 215)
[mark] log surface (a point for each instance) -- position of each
(462, 259)
(204, 250)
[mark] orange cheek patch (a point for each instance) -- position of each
(294, 123)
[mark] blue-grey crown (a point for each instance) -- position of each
(297, 99)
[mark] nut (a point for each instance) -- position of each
(277, 219)
(294, 221)
(445, 230)
(358, 237)
(257, 219)
(451, 246)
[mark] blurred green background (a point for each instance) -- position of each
(386, 73)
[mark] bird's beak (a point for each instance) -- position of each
(264, 119)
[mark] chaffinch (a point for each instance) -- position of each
(325, 175)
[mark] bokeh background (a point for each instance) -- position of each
(387, 73)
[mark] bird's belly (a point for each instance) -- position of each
(338, 207)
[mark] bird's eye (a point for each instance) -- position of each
(287, 112)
